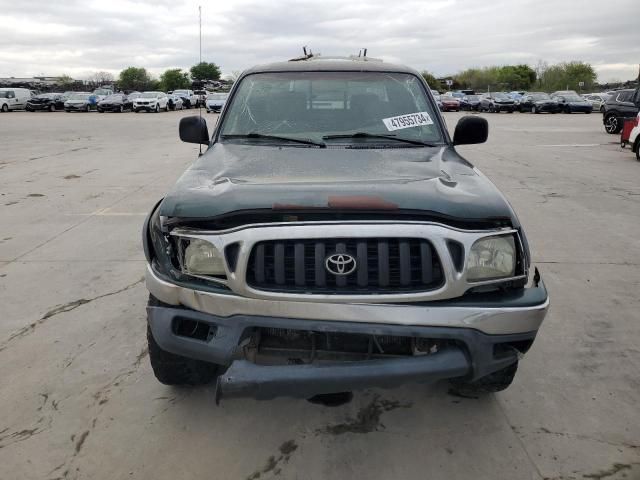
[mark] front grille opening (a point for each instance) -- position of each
(184, 327)
(383, 265)
(279, 345)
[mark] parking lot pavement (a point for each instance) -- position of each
(79, 400)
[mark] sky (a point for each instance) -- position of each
(81, 37)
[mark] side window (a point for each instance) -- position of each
(624, 97)
(11, 94)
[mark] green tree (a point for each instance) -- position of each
(205, 71)
(431, 80)
(135, 78)
(65, 80)
(567, 75)
(174, 79)
(516, 77)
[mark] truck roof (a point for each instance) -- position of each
(327, 64)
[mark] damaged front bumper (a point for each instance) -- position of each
(475, 336)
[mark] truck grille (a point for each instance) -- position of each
(382, 265)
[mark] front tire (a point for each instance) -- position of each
(157, 109)
(5, 108)
(88, 108)
(494, 382)
(172, 369)
(612, 125)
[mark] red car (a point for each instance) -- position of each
(450, 104)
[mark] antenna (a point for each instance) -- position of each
(200, 103)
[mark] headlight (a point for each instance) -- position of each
(202, 258)
(492, 258)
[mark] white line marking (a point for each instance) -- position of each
(573, 145)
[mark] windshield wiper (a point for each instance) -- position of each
(379, 135)
(305, 141)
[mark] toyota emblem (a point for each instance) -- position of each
(340, 264)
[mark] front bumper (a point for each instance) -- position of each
(34, 107)
(76, 107)
(471, 354)
(474, 326)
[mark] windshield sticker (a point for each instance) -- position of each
(409, 120)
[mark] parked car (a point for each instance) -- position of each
(564, 92)
(117, 102)
(189, 97)
(133, 95)
(538, 102)
(634, 138)
(438, 98)
(80, 102)
(151, 102)
(215, 102)
(47, 101)
(470, 102)
(313, 281)
(14, 98)
(202, 97)
(597, 101)
(102, 93)
(570, 103)
(623, 104)
(496, 102)
(450, 103)
(457, 95)
(175, 102)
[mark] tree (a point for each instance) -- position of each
(173, 79)
(65, 80)
(100, 78)
(433, 82)
(134, 78)
(567, 75)
(205, 71)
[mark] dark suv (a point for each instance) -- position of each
(332, 238)
(622, 104)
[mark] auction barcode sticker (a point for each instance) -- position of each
(407, 121)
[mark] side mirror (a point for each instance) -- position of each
(194, 130)
(470, 130)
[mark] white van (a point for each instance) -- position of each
(14, 98)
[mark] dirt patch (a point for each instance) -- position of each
(274, 463)
(36, 195)
(81, 439)
(615, 468)
(71, 176)
(368, 418)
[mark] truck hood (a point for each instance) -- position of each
(232, 177)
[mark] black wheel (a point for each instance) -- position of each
(121, 109)
(52, 108)
(172, 369)
(534, 109)
(567, 110)
(602, 109)
(100, 110)
(88, 108)
(638, 150)
(623, 144)
(495, 382)
(612, 125)
(5, 108)
(157, 109)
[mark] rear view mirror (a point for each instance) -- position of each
(470, 130)
(194, 130)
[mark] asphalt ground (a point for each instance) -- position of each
(78, 398)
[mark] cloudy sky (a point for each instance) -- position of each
(78, 37)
